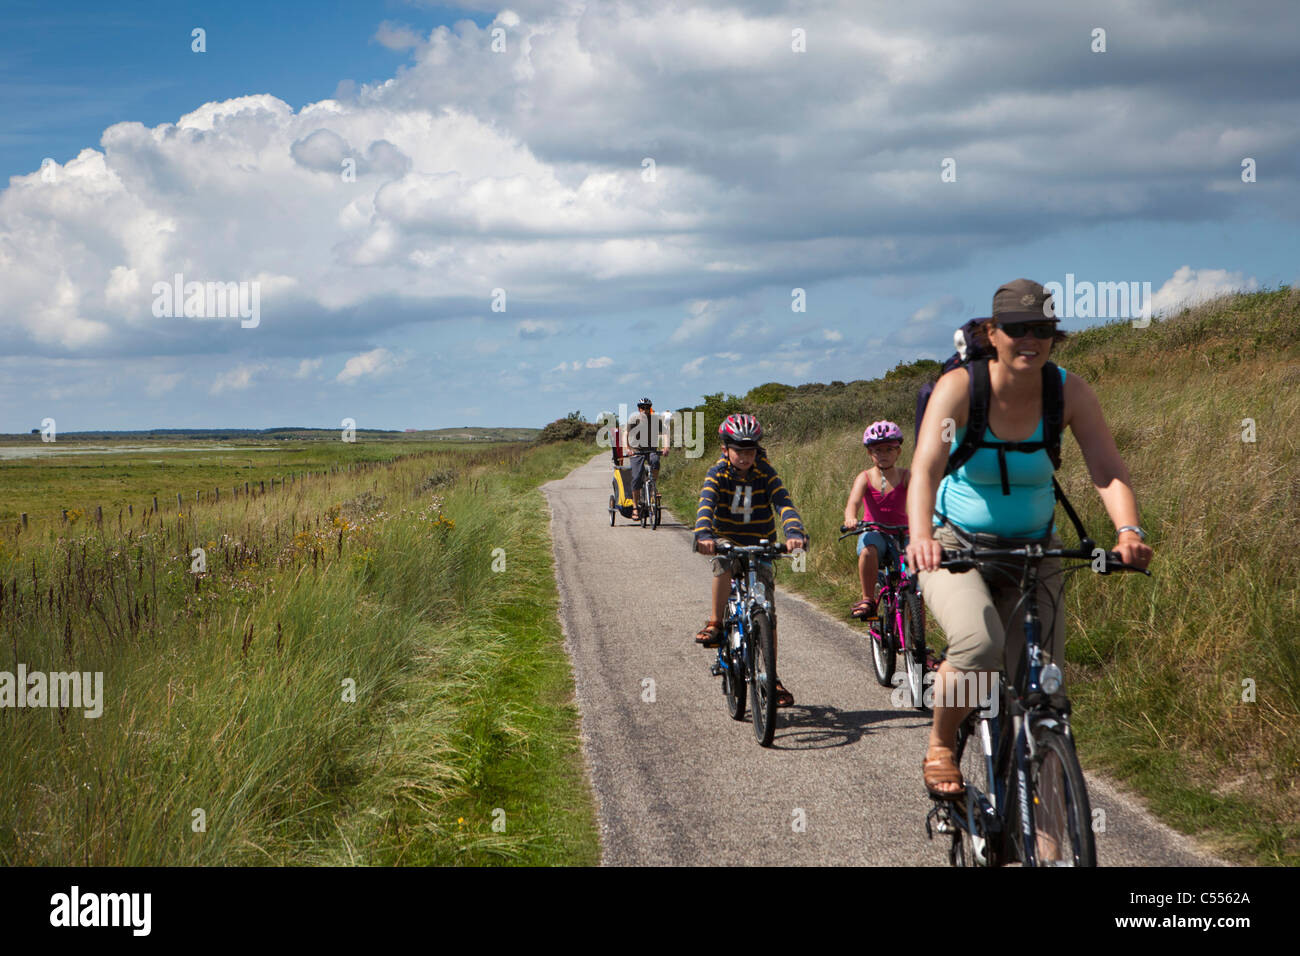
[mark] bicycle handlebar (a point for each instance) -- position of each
(862, 526)
(770, 548)
(965, 559)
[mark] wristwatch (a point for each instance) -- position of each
(1132, 527)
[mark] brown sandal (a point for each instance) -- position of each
(710, 635)
(783, 697)
(942, 769)
(863, 610)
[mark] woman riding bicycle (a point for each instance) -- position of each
(1001, 495)
(881, 493)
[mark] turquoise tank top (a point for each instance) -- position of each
(972, 499)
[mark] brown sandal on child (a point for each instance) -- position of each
(710, 635)
(863, 610)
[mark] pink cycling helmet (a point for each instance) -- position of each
(878, 432)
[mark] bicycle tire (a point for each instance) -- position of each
(1058, 795)
(654, 507)
(914, 647)
(882, 642)
(762, 674)
(734, 684)
(974, 772)
(612, 512)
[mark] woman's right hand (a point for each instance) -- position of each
(924, 554)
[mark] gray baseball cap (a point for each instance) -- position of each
(1023, 300)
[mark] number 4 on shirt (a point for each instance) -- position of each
(748, 508)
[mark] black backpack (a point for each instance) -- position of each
(968, 350)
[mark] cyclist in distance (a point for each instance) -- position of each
(881, 492)
(645, 441)
(741, 497)
(996, 490)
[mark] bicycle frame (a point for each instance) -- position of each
(745, 599)
(898, 579)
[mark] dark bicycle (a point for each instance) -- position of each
(899, 624)
(747, 656)
(1030, 805)
(651, 507)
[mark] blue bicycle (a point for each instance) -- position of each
(747, 656)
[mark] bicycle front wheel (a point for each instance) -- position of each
(1062, 815)
(733, 680)
(914, 646)
(882, 642)
(972, 848)
(763, 678)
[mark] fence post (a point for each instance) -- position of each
(130, 511)
(178, 501)
(99, 515)
(217, 493)
(155, 504)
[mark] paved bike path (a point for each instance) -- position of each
(679, 783)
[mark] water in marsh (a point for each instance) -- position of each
(50, 449)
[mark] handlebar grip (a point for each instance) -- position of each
(956, 561)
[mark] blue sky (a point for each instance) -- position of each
(496, 148)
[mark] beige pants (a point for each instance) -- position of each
(974, 608)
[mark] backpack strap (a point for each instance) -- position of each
(979, 390)
(1053, 412)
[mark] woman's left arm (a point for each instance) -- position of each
(1109, 474)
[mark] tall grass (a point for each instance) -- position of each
(1157, 667)
(345, 683)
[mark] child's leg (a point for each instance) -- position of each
(868, 564)
(721, 589)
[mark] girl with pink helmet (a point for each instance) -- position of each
(881, 492)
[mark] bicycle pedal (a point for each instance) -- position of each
(715, 669)
(942, 821)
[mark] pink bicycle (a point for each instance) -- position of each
(899, 624)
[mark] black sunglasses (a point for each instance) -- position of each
(1017, 330)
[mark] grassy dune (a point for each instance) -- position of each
(1157, 667)
(349, 681)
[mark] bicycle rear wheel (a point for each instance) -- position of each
(1062, 815)
(883, 641)
(733, 680)
(763, 675)
(914, 646)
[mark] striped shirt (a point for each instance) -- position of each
(741, 510)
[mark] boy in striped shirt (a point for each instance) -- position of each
(741, 498)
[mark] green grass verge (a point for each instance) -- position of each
(350, 681)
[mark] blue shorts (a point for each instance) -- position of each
(885, 550)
